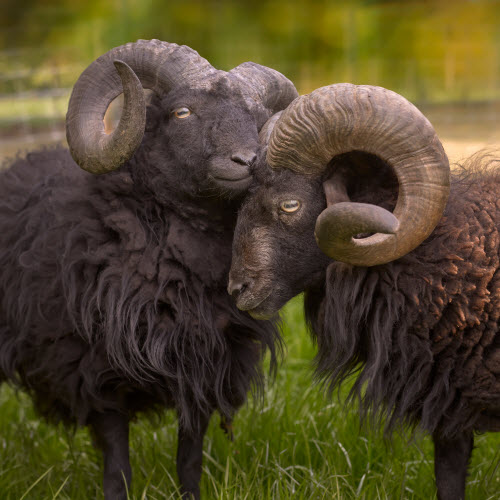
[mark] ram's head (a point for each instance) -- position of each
(205, 123)
(358, 169)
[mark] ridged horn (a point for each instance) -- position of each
(265, 86)
(150, 64)
(342, 118)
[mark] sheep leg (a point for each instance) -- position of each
(189, 458)
(111, 437)
(451, 460)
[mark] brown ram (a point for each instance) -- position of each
(395, 291)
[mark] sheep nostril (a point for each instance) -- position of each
(247, 159)
(252, 159)
(236, 288)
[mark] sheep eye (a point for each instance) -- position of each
(182, 112)
(290, 206)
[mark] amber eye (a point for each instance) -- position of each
(182, 112)
(290, 206)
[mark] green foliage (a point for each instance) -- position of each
(297, 445)
(428, 50)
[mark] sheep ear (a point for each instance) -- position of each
(335, 190)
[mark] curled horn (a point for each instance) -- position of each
(150, 64)
(343, 118)
(265, 85)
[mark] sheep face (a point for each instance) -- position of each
(274, 253)
(327, 139)
(207, 118)
(209, 136)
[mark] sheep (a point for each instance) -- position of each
(410, 299)
(113, 287)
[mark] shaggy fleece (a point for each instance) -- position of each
(110, 301)
(422, 332)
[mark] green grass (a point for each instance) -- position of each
(32, 109)
(297, 445)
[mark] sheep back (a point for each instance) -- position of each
(423, 330)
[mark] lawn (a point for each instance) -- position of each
(296, 445)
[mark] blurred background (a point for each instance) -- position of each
(443, 55)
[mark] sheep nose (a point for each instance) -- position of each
(247, 158)
(236, 287)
